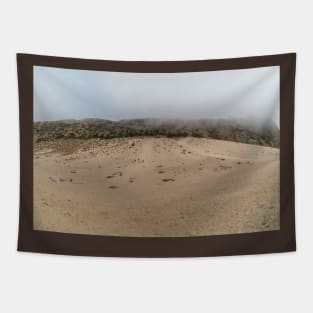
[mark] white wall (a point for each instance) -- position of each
(159, 30)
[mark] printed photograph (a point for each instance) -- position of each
(156, 154)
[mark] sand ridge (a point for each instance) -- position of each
(148, 186)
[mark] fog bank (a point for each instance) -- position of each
(248, 94)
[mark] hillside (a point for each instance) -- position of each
(223, 129)
(159, 187)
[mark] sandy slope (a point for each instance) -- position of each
(181, 187)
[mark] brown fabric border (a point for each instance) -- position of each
(92, 245)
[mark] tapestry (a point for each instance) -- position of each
(156, 159)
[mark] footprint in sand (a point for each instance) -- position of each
(222, 168)
(265, 224)
(168, 179)
(114, 174)
(52, 179)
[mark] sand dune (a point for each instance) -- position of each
(155, 187)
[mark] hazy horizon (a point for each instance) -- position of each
(246, 94)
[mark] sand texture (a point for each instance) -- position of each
(152, 186)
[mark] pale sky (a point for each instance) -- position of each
(77, 94)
